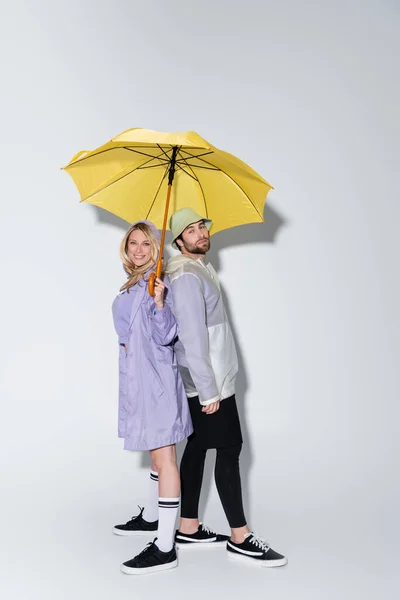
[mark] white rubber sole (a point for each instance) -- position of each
(148, 570)
(200, 545)
(131, 533)
(258, 563)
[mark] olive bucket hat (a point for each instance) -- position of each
(181, 219)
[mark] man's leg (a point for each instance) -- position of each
(227, 479)
(192, 469)
(243, 545)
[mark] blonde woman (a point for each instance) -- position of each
(153, 408)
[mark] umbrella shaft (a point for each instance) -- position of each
(160, 256)
(170, 180)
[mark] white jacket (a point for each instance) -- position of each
(205, 351)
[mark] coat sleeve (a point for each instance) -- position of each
(190, 311)
(121, 321)
(164, 327)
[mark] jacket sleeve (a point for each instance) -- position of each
(121, 321)
(190, 311)
(164, 327)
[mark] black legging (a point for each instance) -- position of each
(227, 479)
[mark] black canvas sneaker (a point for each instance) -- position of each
(150, 560)
(255, 550)
(136, 526)
(203, 538)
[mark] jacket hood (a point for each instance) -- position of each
(152, 227)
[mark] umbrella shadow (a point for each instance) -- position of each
(244, 235)
(106, 218)
(253, 233)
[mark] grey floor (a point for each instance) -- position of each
(68, 558)
(57, 543)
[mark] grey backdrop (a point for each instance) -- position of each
(308, 94)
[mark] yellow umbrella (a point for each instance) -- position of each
(131, 175)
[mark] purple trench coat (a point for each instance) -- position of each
(153, 408)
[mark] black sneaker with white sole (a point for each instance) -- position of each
(150, 560)
(136, 526)
(255, 550)
(203, 538)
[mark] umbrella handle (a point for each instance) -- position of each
(151, 284)
(152, 279)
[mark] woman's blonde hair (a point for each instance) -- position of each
(137, 273)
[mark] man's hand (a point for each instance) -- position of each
(159, 288)
(211, 408)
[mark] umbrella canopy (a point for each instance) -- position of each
(129, 176)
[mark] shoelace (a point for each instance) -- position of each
(207, 529)
(258, 542)
(146, 548)
(139, 515)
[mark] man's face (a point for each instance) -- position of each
(196, 239)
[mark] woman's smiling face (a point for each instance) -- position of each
(139, 248)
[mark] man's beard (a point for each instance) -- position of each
(197, 248)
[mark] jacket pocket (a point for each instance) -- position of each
(122, 359)
(165, 355)
(156, 378)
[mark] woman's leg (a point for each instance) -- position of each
(150, 513)
(227, 479)
(164, 461)
(192, 469)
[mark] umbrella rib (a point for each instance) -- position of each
(166, 153)
(151, 166)
(145, 154)
(202, 167)
(158, 189)
(184, 170)
(235, 182)
(201, 187)
(93, 153)
(119, 179)
(195, 155)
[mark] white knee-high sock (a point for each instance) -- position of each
(150, 512)
(167, 512)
